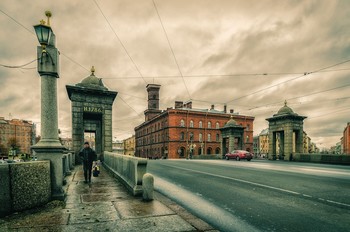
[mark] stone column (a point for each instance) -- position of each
(231, 143)
(288, 142)
(49, 146)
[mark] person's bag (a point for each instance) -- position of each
(95, 172)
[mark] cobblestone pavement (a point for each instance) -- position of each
(104, 205)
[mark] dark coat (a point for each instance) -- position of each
(88, 155)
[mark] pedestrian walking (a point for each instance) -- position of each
(87, 155)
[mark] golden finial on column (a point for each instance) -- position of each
(93, 70)
(285, 102)
(48, 14)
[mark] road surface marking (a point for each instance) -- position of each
(257, 184)
(239, 180)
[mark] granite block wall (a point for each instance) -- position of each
(24, 185)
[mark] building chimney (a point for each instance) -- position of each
(212, 107)
(225, 108)
(231, 111)
(179, 104)
(188, 105)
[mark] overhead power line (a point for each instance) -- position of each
(18, 66)
(171, 49)
(31, 32)
(289, 80)
(121, 43)
(306, 95)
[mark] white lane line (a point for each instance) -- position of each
(338, 203)
(256, 184)
(235, 179)
(305, 195)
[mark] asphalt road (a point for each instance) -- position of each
(259, 195)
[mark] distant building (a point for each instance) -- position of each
(19, 132)
(256, 145)
(307, 145)
(179, 132)
(346, 139)
(129, 146)
(264, 141)
(118, 147)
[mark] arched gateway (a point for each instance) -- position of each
(285, 134)
(231, 137)
(91, 113)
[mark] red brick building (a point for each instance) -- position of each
(177, 132)
(346, 139)
(22, 132)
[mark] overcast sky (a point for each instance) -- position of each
(217, 45)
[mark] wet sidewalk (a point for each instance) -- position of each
(104, 205)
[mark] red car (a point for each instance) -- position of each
(238, 155)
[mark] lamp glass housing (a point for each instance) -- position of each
(43, 33)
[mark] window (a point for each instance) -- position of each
(182, 136)
(191, 123)
(209, 150)
(182, 123)
(217, 125)
(191, 136)
(217, 151)
(200, 137)
(200, 124)
(209, 137)
(199, 151)
(217, 137)
(248, 127)
(247, 138)
(209, 124)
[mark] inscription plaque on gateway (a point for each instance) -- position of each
(91, 109)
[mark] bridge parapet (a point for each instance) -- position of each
(128, 169)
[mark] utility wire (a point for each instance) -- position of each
(18, 66)
(289, 80)
(31, 32)
(336, 111)
(172, 51)
(306, 95)
(220, 75)
(116, 35)
(138, 114)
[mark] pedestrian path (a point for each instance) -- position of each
(104, 205)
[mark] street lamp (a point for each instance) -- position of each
(43, 33)
(49, 146)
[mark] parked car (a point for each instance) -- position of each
(239, 154)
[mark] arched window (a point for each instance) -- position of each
(209, 137)
(182, 123)
(200, 124)
(199, 151)
(247, 138)
(200, 137)
(217, 150)
(181, 152)
(182, 136)
(191, 123)
(217, 125)
(209, 151)
(217, 137)
(248, 127)
(209, 124)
